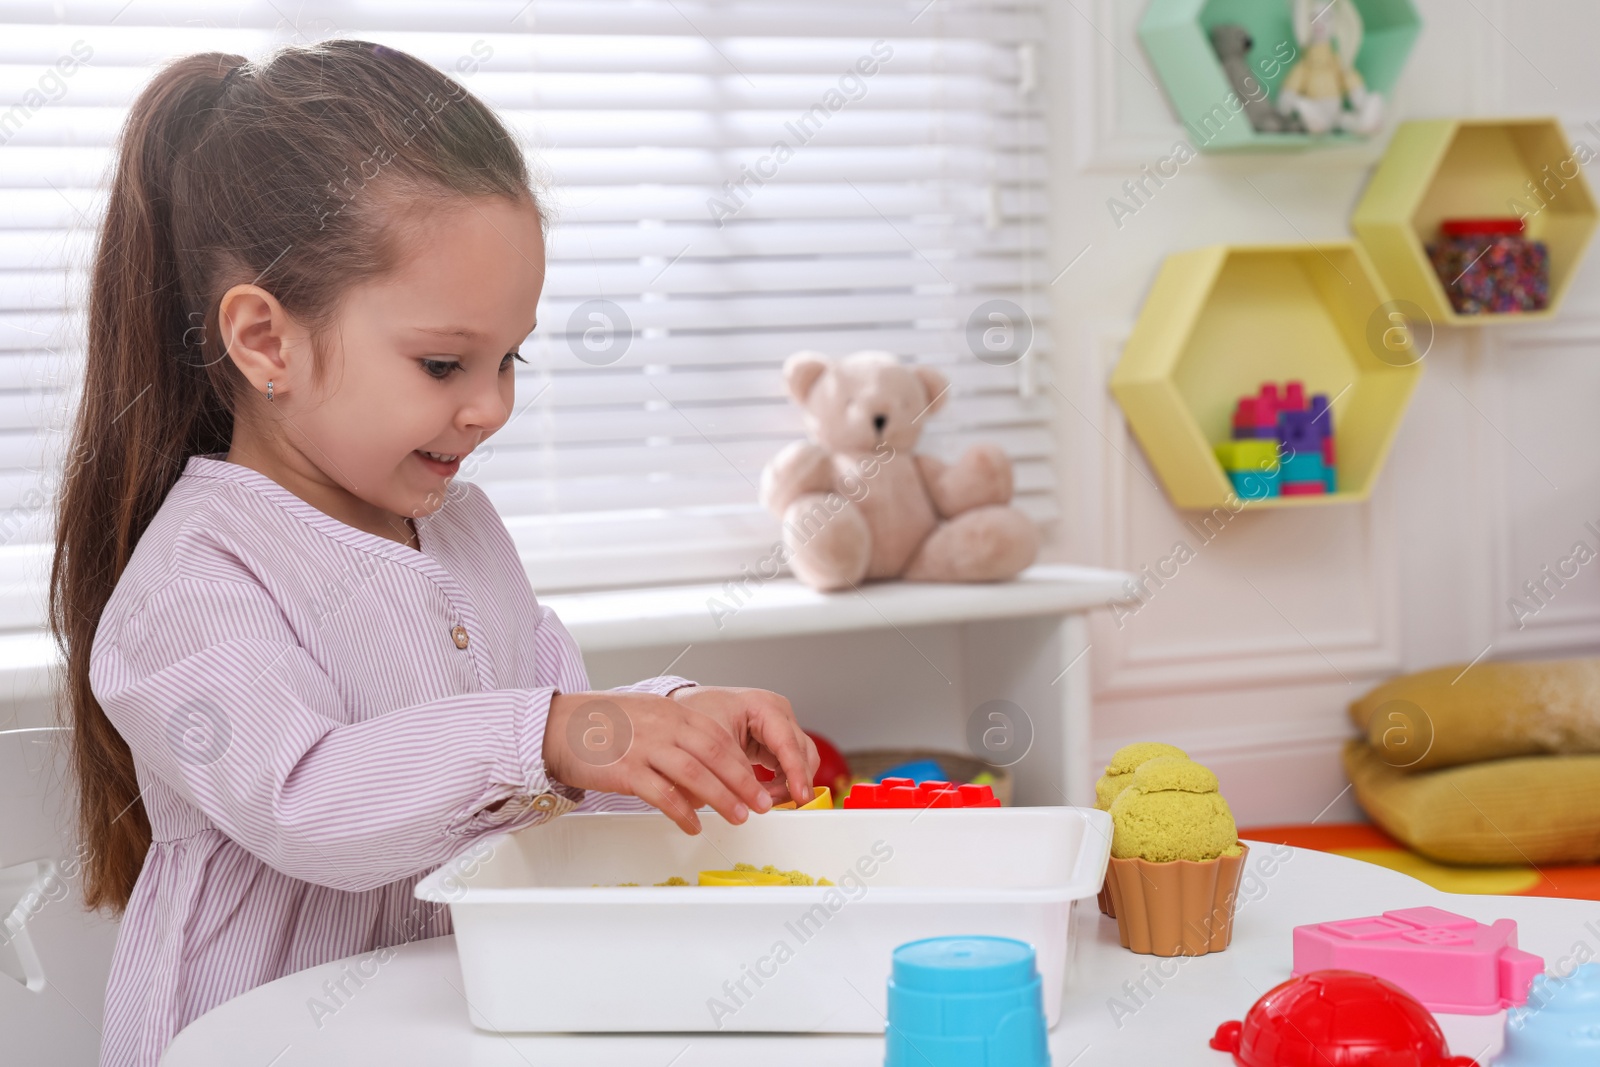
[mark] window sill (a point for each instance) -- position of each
(783, 607)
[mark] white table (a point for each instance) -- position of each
(412, 1014)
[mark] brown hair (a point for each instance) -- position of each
(284, 172)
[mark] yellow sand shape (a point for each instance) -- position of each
(1126, 760)
(1172, 811)
(745, 874)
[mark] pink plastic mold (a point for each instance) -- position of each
(1449, 962)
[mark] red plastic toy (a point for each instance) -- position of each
(832, 769)
(1337, 1019)
(904, 793)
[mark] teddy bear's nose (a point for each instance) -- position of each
(879, 422)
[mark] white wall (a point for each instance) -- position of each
(1493, 474)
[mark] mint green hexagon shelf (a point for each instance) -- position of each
(1176, 36)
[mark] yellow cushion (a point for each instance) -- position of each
(1446, 718)
(1529, 810)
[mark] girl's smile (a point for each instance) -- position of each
(439, 466)
(420, 360)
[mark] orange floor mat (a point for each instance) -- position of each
(1366, 842)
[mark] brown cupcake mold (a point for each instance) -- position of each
(1181, 908)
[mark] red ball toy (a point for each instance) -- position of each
(1337, 1019)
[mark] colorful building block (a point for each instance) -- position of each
(1254, 484)
(1269, 396)
(1253, 454)
(903, 793)
(1321, 415)
(1297, 433)
(1254, 418)
(1447, 961)
(1294, 396)
(921, 770)
(1303, 466)
(1300, 433)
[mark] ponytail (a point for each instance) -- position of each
(224, 174)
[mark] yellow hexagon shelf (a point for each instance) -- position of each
(1474, 168)
(1221, 320)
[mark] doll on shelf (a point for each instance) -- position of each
(1324, 89)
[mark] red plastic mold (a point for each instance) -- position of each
(904, 793)
(1337, 1019)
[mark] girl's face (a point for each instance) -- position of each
(419, 361)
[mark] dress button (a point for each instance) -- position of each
(460, 634)
(545, 801)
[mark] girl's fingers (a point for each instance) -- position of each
(783, 736)
(654, 788)
(777, 789)
(686, 768)
(715, 749)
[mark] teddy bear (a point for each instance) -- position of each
(858, 504)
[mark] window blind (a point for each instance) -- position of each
(727, 182)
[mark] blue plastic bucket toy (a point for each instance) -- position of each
(966, 1002)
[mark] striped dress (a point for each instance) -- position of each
(319, 716)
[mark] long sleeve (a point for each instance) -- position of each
(318, 717)
(214, 696)
(556, 646)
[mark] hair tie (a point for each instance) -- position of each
(226, 78)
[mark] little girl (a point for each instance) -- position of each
(304, 667)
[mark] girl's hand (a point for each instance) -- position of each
(680, 752)
(764, 726)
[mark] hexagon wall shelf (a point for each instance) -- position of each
(1176, 37)
(1221, 320)
(1463, 168)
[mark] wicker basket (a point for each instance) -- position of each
(874, 762)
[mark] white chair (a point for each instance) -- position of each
(54, 955)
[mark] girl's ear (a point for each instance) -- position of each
(258, 335)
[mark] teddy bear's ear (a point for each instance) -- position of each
(937, 386)
(801, 371)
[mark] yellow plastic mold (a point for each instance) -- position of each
(821, 800)
(741, 878)
(1473, 168)
(1221, 320)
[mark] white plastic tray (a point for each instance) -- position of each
(543, 949)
